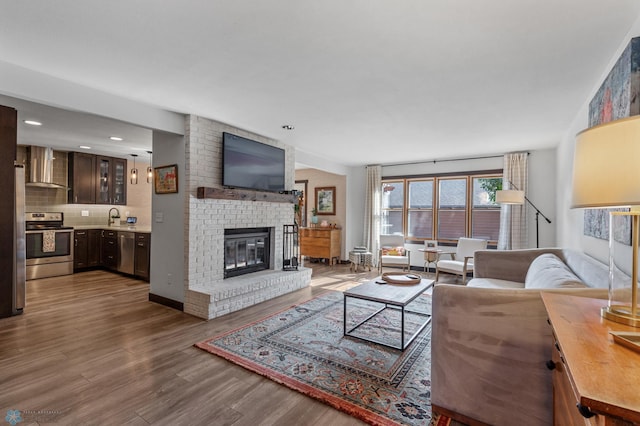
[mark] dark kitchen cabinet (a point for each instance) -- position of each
(109, 252)
(103, 248)
(142, 254)
(112, 184)
(86, 251)
(93, 247)
(97, 179)
(82, 176)
(80, 250)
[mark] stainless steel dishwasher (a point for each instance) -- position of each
(126, 247)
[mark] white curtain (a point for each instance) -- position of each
(513, 218)
(372, 209)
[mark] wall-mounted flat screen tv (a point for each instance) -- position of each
(252, 165)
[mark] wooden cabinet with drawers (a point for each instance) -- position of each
(320, 243)
(595, 380)
(109, 251)
(142, 254)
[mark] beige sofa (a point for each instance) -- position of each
(491, 339)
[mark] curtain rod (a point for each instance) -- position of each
(444, 160)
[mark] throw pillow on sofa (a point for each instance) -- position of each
(548, 271)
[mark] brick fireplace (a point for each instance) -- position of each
(208, 294)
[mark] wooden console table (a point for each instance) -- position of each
(321, 243)
(595, 381)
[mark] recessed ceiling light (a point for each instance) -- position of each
(84, 147)
(33, 122)
(115, 138)
(288, 127)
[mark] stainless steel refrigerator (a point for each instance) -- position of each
(19, 248)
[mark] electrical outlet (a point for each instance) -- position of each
(159, 217)
(84, 212)
(169, 279)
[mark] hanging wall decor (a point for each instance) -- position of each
(326, 200)
(165, 179)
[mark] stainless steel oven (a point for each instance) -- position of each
(49, 245)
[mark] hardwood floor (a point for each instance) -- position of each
(91, 349)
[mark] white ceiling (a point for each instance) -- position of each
(362, 81)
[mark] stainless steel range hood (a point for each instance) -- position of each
(41, 168)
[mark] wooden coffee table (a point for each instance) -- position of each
(391, 296)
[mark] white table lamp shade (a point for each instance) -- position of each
(606, 166)
(606, 173)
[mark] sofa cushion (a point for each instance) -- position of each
(592, 272)
(548, 271)
(494, 283)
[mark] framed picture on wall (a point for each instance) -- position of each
(326, 200)
(165, 179)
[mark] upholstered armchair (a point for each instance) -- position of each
(393, 253)
(462, 260)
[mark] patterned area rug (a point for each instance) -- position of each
(304, 348)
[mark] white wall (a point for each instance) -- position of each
(168, 222)
(571, 221)
(542, 193)
(35, 86)
(354, 225)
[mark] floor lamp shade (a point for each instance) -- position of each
(516, 196)
(509, 196)
(606, 173)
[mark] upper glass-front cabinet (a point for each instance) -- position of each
(119, 182)
(110, 187)
(104, 173)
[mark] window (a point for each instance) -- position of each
(392, 207)
(485, 215)
(442, 207)
(452, 207)
(420, 212)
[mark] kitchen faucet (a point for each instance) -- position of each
(109, 221)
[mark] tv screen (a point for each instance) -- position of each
(250, 164)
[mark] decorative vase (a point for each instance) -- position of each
(314, 220)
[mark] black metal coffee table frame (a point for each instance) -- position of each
(392, 296)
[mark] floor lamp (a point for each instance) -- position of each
(606, 174)
(515, 196)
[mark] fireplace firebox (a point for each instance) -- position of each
(246, 250)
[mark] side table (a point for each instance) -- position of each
(359, 258)
(432, 255)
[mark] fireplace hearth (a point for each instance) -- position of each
(246, 250)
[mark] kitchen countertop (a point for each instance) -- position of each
(145, 229)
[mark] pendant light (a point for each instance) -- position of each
(149, 169)
(134, 171)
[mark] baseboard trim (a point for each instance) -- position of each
(166, 302)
